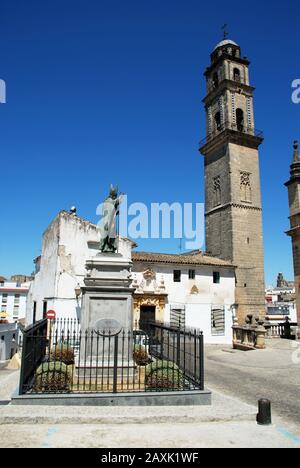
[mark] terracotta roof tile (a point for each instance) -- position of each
(186, 259)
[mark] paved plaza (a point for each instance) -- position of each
(238, 379)
(273, 373)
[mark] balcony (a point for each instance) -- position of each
(231, 128)
(216, 81)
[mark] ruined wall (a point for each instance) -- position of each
(67, 244)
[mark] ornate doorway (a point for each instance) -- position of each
(147, 315)
(153, 303)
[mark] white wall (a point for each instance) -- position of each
(198, 307)
(67, 244)
(199, 316)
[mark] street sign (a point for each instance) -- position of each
(51, 315)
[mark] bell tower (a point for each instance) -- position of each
(293, 186)
(233, 213)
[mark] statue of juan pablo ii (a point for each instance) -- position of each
(108, 224)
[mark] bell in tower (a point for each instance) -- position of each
(233, 215)
(229, 96)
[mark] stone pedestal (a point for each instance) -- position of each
(261, 336)
(106, 318)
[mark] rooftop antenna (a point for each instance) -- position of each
(225, 29)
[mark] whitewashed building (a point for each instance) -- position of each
(195, 289)
(13, 298)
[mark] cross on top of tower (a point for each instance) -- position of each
(296, 144)
(225, 31)
(225, 39)
(295, 166)
(296, 151)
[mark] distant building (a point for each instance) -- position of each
(281, 301)
(13, 297)
(283, 283)
(194, 289)
(8, 342)
(21, 278)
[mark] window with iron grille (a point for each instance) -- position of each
(218, 321)
(177, 318)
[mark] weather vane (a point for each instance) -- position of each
(225, 29)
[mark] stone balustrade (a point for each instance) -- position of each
(287, 329)
(249, 336)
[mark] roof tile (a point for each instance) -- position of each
(186, 259)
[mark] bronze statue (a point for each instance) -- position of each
(108, 225)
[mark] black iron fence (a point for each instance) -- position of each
(60, 357)
(33, 352)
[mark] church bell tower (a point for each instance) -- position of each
(233, 213)
(293, 186)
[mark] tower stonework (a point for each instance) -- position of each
(233, 210)
(293, 186)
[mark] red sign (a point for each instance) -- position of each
(51, 315)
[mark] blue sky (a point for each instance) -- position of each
(110, 91)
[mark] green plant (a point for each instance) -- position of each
(63, 353)
(52, 377)
(140, 355)
(162, 375)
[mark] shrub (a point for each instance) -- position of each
(162, 375)
(62, 353)
(140, 355)
(52, 377)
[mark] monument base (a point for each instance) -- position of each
(107, 319)
(106, 369)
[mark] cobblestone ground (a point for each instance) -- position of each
(273, 373)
